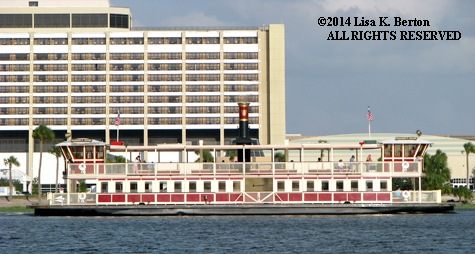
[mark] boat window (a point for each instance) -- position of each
(133, 187)
(104, 187)
(118, 187)
(148, 186)
(310, 185)
(192, 186)
(236, 186)
(421, 149)
(354, 185)
(397, 150)
(207, 186)
(296, 185)
(383, 185)
(388, 150)
(339, 185)
(325, 185)
(99, 152)
(369, 185)
(280, 186)
(89, 152)
(163, 186)
(222, 186)
(409, 150)
(77, 152)
(177, 186)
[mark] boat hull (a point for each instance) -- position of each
(264, 209)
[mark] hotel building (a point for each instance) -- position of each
(73, 65)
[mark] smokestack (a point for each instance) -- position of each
(244, 138)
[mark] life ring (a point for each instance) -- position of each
(82, 196)
(406, 194)
(82, 167)
(405, 165)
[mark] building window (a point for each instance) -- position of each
(104, 187)
(16, 20)
(52, 20)
(397, 150)
(310, 185)
(383, 185)
(354, 185)
(119, 20)
(90, 20)
(119, 188)
(388, 150)
(33, 3)
(280, 186)
(325, 185)
(192, 186)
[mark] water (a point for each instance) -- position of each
(421, 233)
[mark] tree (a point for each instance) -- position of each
(279, 157)
(436, 170)
(463, 193)
(56, 151)
(207, 157)
(468, 148)
(43, 133)
(10, 161)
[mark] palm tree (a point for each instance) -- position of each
(436, 170)
(11, 161)
(56, 151)
(468, 148)
(43, 133)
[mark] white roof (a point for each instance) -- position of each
(406, 140)
(82, 142)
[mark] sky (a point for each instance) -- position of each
(410, 85)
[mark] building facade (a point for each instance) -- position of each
(74, 65)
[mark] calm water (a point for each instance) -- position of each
(427, 233)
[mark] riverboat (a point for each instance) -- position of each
(252, 181)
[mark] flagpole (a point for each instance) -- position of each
(369, 124)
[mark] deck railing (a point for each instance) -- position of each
(178, 198)
(398, 169)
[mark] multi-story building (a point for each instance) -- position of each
(73, 65)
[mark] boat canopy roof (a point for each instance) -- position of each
(82, 142)
(406, 141)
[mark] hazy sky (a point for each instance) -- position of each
(426, 85)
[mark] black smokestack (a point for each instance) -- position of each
(244, 138)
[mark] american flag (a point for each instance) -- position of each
(369, 116)
(117, 119)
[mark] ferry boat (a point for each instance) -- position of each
(251, 182)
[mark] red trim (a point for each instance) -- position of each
(233, 197)
(324, 197)
(178, 197)
(311, 197)
(354, 196)
(133, 198)
(104, 198)
(210, 197)
(384, 197)
(163, 197)
(118, 198)
(221, 197)
(148, 198)
(283, 196)
(369, 196)
(192, 197)
(341, 197)
(295, 196)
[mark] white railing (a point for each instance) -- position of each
(321, 197)
(397, 169)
